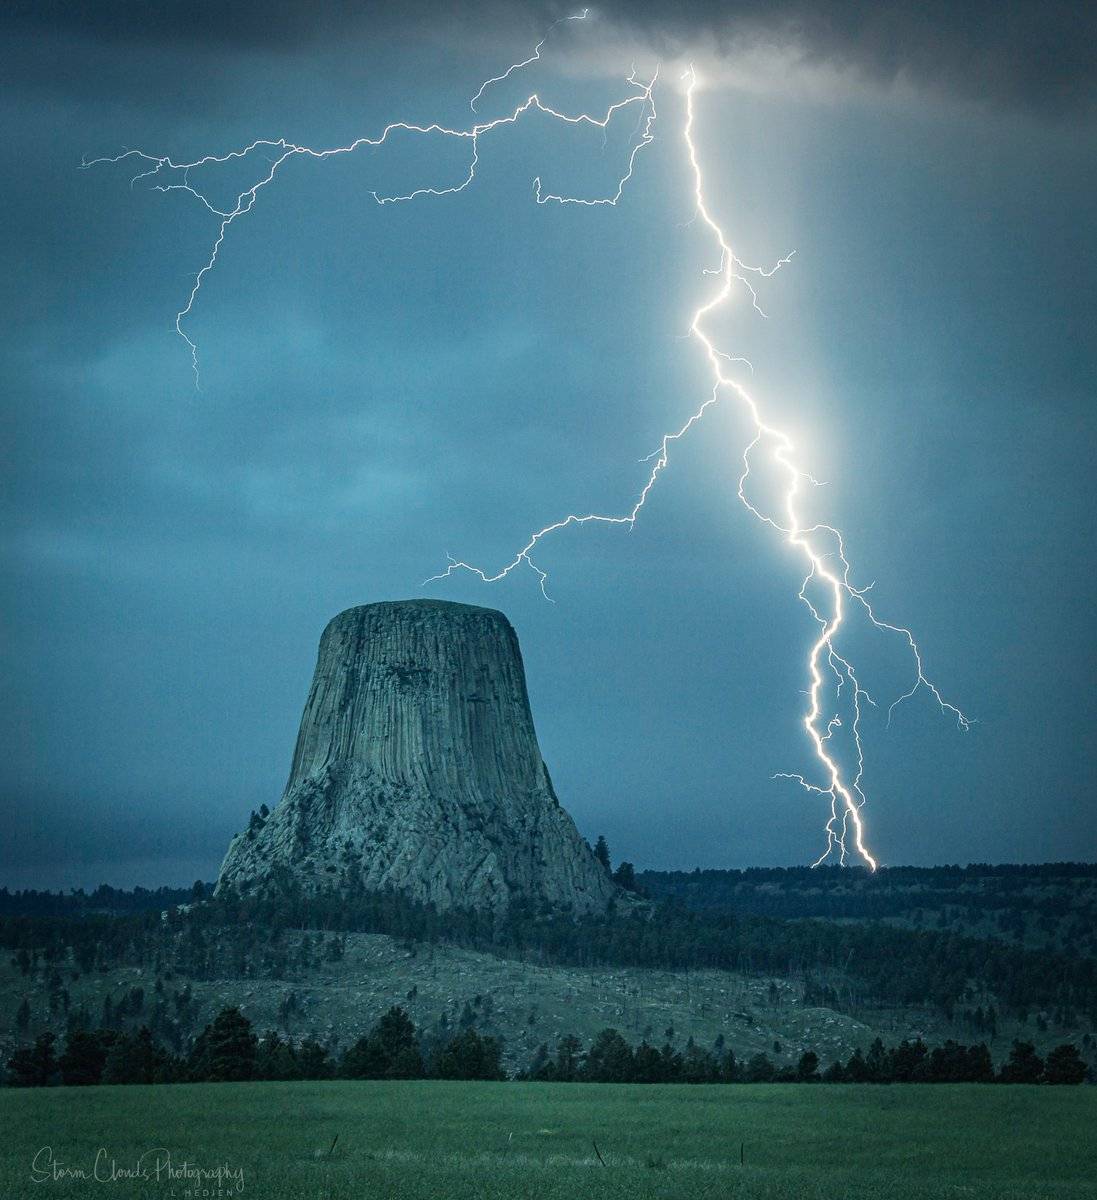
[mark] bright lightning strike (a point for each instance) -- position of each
(821, 546)
(830, 674)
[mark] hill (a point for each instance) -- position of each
(326, 964)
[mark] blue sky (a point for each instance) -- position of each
(381, 387)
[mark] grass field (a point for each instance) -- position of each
(455, 1141)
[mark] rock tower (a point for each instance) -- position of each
(417, 768)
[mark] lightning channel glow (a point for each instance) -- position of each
(831, 677)
(822, 548)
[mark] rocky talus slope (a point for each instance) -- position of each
(417, 768)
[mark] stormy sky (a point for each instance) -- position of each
(383, 386)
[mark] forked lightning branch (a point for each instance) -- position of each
(836, 700)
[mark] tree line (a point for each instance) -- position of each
(611, 1059)
(1055, 890)
(229, 1051)
(104, 899)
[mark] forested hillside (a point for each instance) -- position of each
(704, 953)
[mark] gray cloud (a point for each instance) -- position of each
(1032, 55)
(1024, 54)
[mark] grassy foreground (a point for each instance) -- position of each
(452, 1141)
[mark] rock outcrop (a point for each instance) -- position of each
(417, 768)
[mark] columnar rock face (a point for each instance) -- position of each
(417, 768)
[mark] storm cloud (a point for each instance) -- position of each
(1024, 53)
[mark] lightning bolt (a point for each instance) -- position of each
(168, 175)
(822, 548)
(826, 589)
(526, 62)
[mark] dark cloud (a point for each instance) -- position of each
(1036, 55)
(1027, 54)
(241, 25)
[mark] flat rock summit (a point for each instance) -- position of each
(417, 768)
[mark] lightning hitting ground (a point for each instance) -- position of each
(835, 696)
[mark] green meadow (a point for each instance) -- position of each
(452, 1141)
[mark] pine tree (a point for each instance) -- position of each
(225, 1050)
(133, 1058)
(470, 1056)
(389, 1051)
(625, 877)
(569, 1057)
(1065, 1065)
(84, 1057)
(610, 1059)
(760, 1069)
(807, 1069)
(33, 1066)
(1024, 1065)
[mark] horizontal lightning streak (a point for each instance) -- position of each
(284, 151)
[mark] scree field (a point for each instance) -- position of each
(449, 1141)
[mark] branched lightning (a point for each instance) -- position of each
(835, 696)
(821, 546)
(162, 166)
(526, 62)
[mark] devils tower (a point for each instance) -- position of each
(417, 768)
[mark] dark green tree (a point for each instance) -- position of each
(698, 1066)
(84, 1057)
(134, 1058)
(906, 1060)
(1065, 1065)
(731, 1070)
(363, 1060)
(625, 877)
(1023, 1066)
(856, 1069)
(877, 1066)
(469, 1056)
(275, 1058)
(980, 1066)
(648, 1065)
(807, 1069)
(389, 1051)
(569, 1058)
(760, 1069)
(601, 853)
(949, 1064)
(609, 1059)
(672, 1062)
(33, 1066)
(225, 1051)
(313, 1061)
